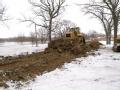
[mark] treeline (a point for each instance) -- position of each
(21, 39)
(2, 40)
(36, 38)
(15, 39)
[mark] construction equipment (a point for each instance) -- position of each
(116, 47)
(74, 33)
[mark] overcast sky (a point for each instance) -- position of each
(15, 9)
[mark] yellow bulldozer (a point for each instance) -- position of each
(116, 47)
(74, 33)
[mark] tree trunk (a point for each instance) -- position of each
(50, 30)
(115, 28)
(115, 36)
(107, 39)
(109, 34)
(107, 42)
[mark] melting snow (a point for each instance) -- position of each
(13, 49)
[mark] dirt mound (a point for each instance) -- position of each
(74, 46)
(92, 45)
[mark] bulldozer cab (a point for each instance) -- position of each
(76, 30)
(70, 35)
(73, 33)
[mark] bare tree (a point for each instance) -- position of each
(3, 16)
(92, 34)
(114, 7)
(48, 11)
(63, 27)
(103, 16)
(32, 22)
(2, 10)
(111, 7)
(42, 35)
(20, 38)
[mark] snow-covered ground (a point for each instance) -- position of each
(99, 72)
(12, 48)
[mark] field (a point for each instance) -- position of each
(13, 49)
(98, 71)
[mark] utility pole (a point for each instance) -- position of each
(36, 38)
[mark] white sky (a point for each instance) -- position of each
(15, 9)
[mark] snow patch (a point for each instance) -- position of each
(13, 49)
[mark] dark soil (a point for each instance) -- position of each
(58, 52)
